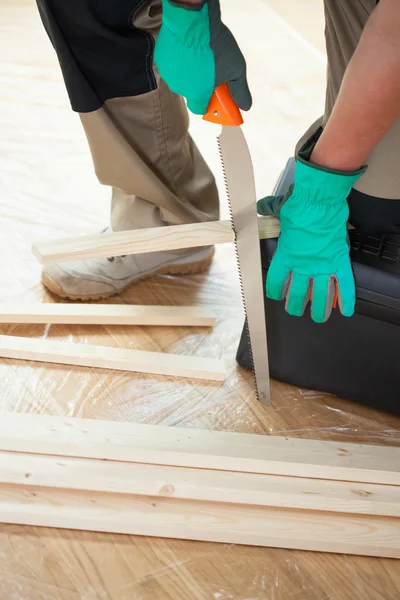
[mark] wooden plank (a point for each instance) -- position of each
(204, 521)
(269, 227)
(120, 243)
(173, 237)
(153, 444)
(107, 314)
(103, 357)
(198, 484)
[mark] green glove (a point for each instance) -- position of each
(313, 251)
(195, 52)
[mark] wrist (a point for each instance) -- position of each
(188, 4)
(317, 183)
(343, 160)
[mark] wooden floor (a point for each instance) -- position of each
(48, 189)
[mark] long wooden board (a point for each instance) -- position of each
(174, 237)
(151, 444)
(145, 240)
(198, 484)
(204, 521)
(103, 357)
(107, 314)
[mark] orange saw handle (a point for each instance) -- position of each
(222, 109)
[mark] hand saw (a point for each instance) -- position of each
(239, 179)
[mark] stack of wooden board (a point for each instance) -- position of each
(200, 485)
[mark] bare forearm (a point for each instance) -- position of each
(369, 100)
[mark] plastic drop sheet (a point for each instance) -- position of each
(48, 190)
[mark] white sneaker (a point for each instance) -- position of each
(101, 278)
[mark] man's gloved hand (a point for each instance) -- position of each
(313, 250)
(195, 52)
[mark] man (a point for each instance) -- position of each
(137, 131)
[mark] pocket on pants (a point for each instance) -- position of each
(148, 17)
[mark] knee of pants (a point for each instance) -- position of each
(105, 47)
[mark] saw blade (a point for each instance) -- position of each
(239, 179)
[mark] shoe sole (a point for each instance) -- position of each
(189, 269)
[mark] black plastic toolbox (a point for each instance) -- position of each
(356, 358)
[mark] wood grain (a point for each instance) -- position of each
(174, 237)
(107, 314)
(102, 357)
(129, 442)
(203, 521)
(198, 484)
(119, 243)
(269, 227)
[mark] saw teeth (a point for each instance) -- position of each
(238, 265)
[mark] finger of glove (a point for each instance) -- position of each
(298, 294)
(240, 92)
(323, 296)
(278, 279)
(347, 291)
(230, 63)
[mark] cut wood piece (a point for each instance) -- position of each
(107, 314)
(204, 521)
(269, 227)
(153, 444)
(173, 237)
(104, 357)
(198, 484)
